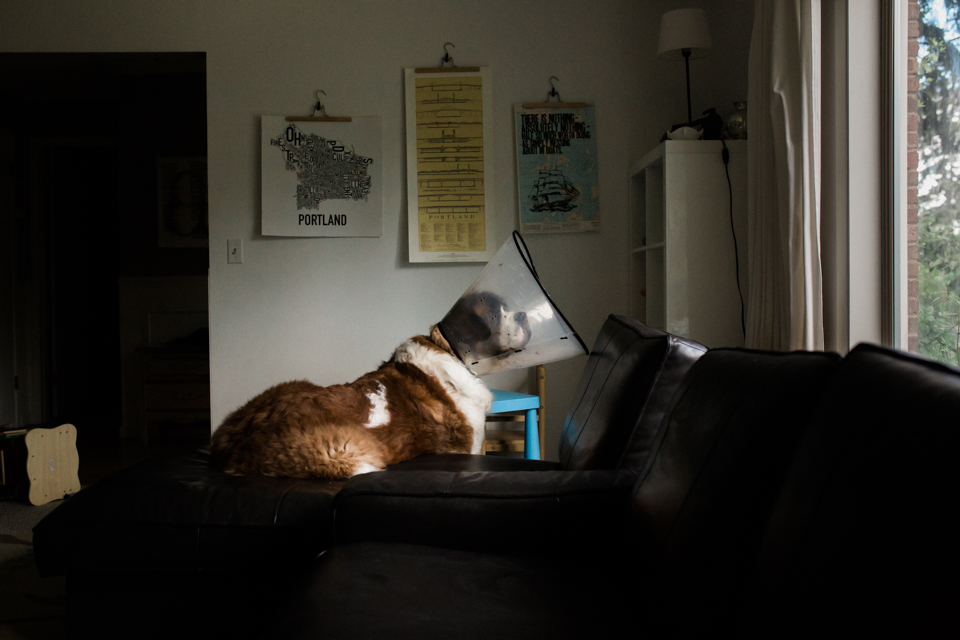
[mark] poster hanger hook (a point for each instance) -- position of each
(553, 90)
(446, 55)
(319, 106)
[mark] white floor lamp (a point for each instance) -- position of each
(684, 34)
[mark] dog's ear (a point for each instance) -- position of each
(487, 305)
(437, 338)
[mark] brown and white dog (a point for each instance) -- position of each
(422, 400)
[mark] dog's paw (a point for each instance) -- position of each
(364, 468)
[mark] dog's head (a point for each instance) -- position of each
(481, 326)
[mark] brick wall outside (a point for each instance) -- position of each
(913, 159)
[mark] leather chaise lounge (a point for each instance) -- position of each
(174, 546)
(758, 493)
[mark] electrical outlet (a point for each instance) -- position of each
(235, 251)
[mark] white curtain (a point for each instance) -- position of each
(785, 299)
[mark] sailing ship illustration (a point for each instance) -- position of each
(553, 192)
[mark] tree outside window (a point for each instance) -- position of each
(938, 189)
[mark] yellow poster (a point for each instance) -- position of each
(450, 164)
(449, 181)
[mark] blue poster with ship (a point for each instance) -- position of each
(557, 169)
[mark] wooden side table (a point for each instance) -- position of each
(53, 463)
(39, 464)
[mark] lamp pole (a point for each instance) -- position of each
(686, 61)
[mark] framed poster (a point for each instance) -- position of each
(321, 178)
(557, 169)
(182, 203)
(450, 165)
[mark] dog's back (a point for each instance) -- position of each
(298, 429)
(295, 430)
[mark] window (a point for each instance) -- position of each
(935, 280)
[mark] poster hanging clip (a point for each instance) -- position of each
(319, 107)
(453, 68)
(446, 55)
(553, 90)
(319, 113)
(559, 104)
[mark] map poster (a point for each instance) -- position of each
(450, 165)
(321, 178)
(557, 170)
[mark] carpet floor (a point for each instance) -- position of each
(31, 607)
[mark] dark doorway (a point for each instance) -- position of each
(84, 136)
(80, 193)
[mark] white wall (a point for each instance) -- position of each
(331, 309)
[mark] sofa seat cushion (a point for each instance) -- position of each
(377, 590)
(627, 383)
(455, 462)
(512, 512)
(178, 513)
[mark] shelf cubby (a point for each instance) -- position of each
(682, 272)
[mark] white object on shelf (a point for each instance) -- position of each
(682, 270)
(685, 133)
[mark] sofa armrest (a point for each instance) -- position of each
(527, 512)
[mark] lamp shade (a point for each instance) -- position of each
(684, 29)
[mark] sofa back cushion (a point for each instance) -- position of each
(866, 527)
(699, 510)
(630, 376)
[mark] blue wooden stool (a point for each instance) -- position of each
(504, 401)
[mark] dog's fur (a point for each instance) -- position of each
(422, 400)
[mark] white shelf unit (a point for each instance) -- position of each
(682, 271)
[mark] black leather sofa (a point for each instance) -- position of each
(757, 493)
(786, 495)
(173, 546)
